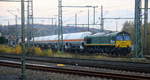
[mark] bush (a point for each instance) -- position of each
(30, 51)
(58, 52)
(6, 49)
(38, 51)
(48, 52)
(18, 49)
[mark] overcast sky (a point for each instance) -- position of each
(48, 8)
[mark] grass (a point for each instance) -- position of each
(38, 51)
(48, 52)
(8, 49)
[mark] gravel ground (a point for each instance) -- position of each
(91, 69)
(7, 73)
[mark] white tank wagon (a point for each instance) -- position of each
(71, 40)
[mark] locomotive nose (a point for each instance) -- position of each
(123, 44)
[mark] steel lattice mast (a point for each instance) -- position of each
(30, 23)
(60, 26)
(23, 66)
(138, 48)
(146, 26)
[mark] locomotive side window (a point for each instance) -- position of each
(88, 40)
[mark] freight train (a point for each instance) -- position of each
(118, 43)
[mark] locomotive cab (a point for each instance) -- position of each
(123, 40)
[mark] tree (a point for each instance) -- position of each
(129, 27)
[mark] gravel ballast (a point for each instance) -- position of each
(7, 73)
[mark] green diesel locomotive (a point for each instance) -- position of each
(114, 43)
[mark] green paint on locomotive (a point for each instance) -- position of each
(101, 39)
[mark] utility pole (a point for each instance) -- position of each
(16, 21)
(8, 32)
(88, 20)
(138, 48)
(76, 20)
(23, 67)
(56, 26)
(7, 23)
(116, 26)
(52, 22)
(102, 19)
(145, 26)
(94, 14)
(30, 22)
(60, 26)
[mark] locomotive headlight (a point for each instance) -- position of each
(112, 41)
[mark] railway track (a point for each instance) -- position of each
(73, 71)
(116, 65)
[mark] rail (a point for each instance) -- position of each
(116, 65)
(73, 71)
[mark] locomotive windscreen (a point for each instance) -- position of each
(126, 37)
(122, 37)
(119, 37)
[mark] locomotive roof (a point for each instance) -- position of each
(107, 34)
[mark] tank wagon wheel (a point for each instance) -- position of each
(66, 47)
(101, 51)
(89, 50)
(70, 47)
(111, 51)
(98, 50)
(108, 51)
(86, 50)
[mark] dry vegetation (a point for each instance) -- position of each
(39, 52)
(8, 49)
(18, 50)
